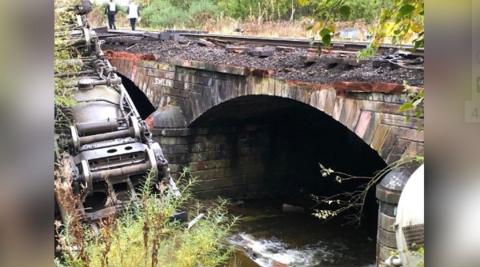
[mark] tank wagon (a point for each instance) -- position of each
(110, 149)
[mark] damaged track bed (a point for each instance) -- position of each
(280, 61)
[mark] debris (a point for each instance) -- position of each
(166, 36)
(237, 49)
(265, 51)
(309, 58)
(286, 48)
(151, 35)
(180, 216)
(125, 40)
(218, 41)
(330, 62)
(380, 62)
(195, 220)
(132, 46)
(203, 42)
(183, 40)
(343, 63)
(284, 65)
(292, 208)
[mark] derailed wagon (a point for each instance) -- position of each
(109, 149)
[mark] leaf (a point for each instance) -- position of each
(345, 11)
(303, 2)
(405, 10)
(416, 27)
(327, 40)
(419, 43)
(325, 32)
(406, 107)
(417, 102)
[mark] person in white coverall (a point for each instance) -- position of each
(111, 10)
(133, 14)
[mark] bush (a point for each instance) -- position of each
(202, 11)
(143, 235)
(367, 10)
(161, 13)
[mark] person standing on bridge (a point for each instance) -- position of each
(133, 14)
(111, 10)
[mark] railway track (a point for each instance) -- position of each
(263, 41)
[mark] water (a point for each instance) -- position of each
(267, 236)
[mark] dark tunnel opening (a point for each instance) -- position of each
(289, 139)
(140, 100)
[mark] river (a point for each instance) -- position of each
(267, 236)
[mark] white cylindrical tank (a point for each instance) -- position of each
(409, 222)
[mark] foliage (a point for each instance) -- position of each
(162, 13)
(64, 53)
(351, 204)
(400, 20)
(327, 12)
(144, 234)
(414, 103)
(261, 10)
(421, 253)
(201, 11)
(364, 9)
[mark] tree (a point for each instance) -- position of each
(400, 20)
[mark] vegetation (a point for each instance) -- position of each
(421, 253)
(64, 53)
(415, 100)
(198, 13)
(399, 20)
(396, 21)
(143, 234)
(352, 204)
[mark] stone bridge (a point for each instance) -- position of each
(241, 130)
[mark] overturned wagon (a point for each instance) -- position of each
(109, 150)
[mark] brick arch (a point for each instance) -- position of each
(370, 110)
(344, 110)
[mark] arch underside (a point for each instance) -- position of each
(290, 138)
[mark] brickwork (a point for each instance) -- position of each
(227, 160)
(369, 110)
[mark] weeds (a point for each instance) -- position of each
(145, 235)
(64, 53)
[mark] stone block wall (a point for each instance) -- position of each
(227, 161)
(234, 161)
